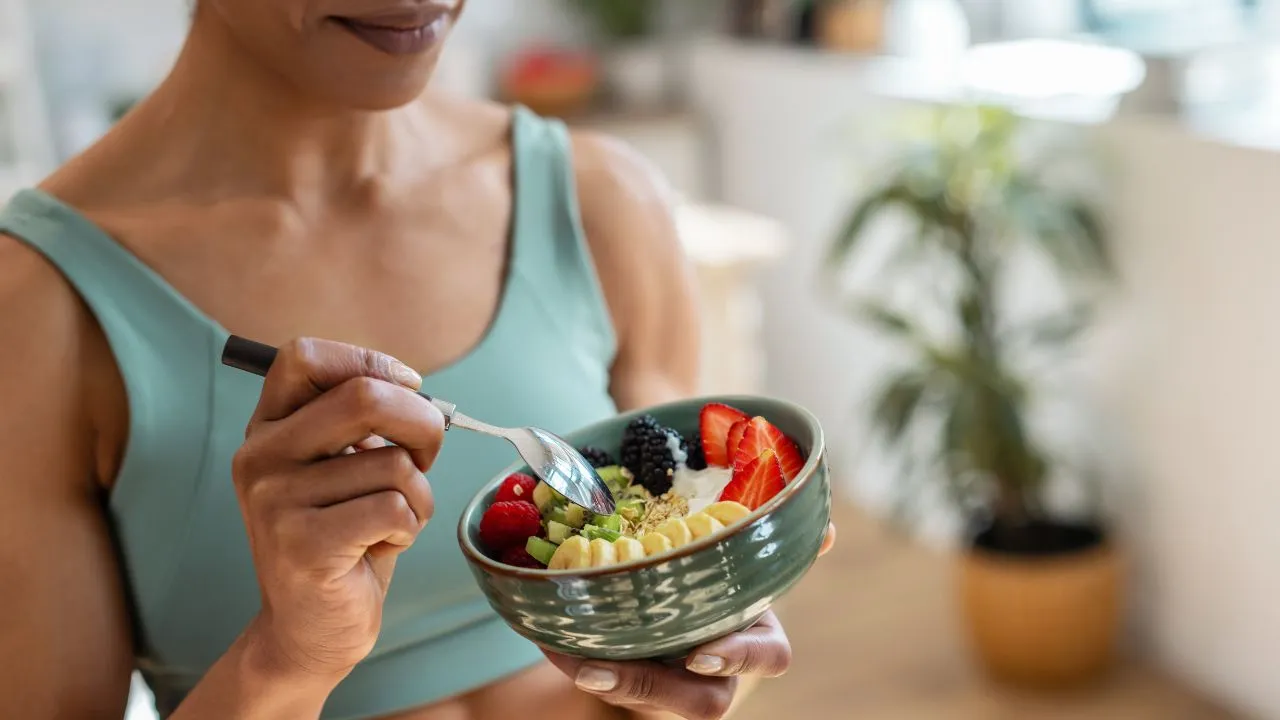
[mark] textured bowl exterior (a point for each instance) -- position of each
(665, 607)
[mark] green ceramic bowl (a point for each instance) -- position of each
(663, 607)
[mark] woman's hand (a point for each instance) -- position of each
(328, 505)
(704, 689)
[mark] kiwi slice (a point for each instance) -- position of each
(575, 516)
(547, 498)
(558, 532)
(608, 522)
(540, 550)
(593, 532)
(631, 509)
(618, 478)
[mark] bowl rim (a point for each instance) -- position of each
(793, 488)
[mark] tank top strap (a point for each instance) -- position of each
(550, 252)
(130, 300)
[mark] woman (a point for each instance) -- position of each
(290, 178)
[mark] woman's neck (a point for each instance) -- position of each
(224, 124)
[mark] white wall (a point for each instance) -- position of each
(1185, 367)
(1193, 376)
(785, 126)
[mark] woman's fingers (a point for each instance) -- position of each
(703, 689)
(368, 472)
(651, 685)
(829, 541)
(306, 368)
(381, 518)
(370, 443)
(762, 649)
(352, 412)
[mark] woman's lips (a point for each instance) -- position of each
(406, 34)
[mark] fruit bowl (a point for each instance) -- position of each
(665, 603)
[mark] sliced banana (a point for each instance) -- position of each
(573, 554)
(655, 543)
(702, 525)
(677, 531)
(628, 549)
(577, 552)
(727, 512)
(602, 553)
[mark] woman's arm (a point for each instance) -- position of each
(65, 651)
(648, 281)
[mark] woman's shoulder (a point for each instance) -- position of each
(55, 355)
(54, 352)
(627, 209)
(626, 204)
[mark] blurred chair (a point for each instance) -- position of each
(726, 247)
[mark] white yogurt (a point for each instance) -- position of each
(679, 456)
(700, 487)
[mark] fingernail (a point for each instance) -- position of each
(706, 664)
(597, 679)
(405, 375)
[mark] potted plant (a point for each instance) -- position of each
(1040, 593)
(634, 57)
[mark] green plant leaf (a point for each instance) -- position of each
(1066, 230)
(888, 320)
(957, 444)
(620, 19)
(973, 194)
(1089, 225)
(897, 404)
(851, 233)
(1057, 330)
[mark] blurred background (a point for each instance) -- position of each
(1017, 256)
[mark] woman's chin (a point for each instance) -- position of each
(377, 94)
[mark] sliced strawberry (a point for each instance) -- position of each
(713, 424)
(757, 482)
(761, 435)
(736, 434)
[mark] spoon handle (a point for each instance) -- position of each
(255, 357)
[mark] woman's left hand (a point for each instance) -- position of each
(704, 689)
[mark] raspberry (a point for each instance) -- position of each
(509, 524)
(517, 486)
(519, 557)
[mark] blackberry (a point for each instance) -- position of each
(697, 458)
(646, 452)
(597, 457)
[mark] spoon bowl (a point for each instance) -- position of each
(553, 460)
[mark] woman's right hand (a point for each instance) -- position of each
(327, 504)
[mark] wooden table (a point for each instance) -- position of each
(876, 638)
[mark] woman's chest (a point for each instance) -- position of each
(415, 280)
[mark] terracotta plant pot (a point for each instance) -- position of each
(854, 26)
(1047, 618)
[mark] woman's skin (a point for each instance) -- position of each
(294, 181)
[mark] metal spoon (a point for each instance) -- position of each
(553, 460)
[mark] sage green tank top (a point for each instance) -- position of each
(544, 361)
